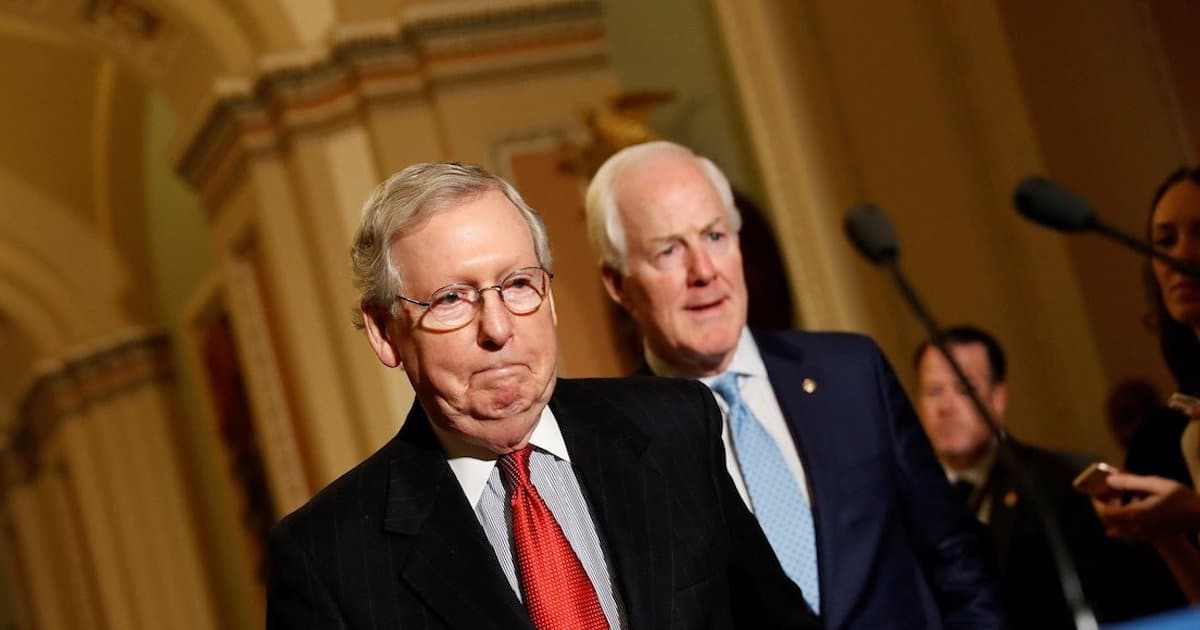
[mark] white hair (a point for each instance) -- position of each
(604, 225)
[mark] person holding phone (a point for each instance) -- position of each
(1158, 501)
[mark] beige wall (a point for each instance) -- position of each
(673, 45)
(1106, 128)
(934, 111)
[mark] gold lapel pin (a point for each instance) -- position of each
(808, 385)
(1010, 498)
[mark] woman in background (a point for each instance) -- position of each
(1160, 501)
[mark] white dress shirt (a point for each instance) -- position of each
(756, 391)
(551, 474)
(979, 476)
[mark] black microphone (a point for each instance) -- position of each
(1042, 201)
(873, 236)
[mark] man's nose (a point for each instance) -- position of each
(700, 267)
(946, 405)
(495, 321)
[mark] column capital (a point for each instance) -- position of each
(373, 61)
(64, 388)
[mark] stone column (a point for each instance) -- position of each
(107, 534)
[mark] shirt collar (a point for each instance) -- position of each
(746, 360)
(473, 472)
(977, 474)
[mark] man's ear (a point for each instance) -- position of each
(999, 401)
(380, 338)
(614, 283)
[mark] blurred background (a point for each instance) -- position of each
(180, 181)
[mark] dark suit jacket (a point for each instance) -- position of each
(394, 544)
(1114, 574)
(895, 548)
(1029, 583)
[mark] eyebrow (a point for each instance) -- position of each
(675, 236)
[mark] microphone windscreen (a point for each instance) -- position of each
(872, 234)
(1042, 201)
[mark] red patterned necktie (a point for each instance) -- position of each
(558, 593)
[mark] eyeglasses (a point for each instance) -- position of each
(456, 305)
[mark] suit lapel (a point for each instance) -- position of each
(1002, 517)
(809, 418)
(438, 543)
(627, 495)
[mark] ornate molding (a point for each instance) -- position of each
(138, 31)
(64, 390)
(429, 44)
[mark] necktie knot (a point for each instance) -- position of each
(514, 467)
(726, 387)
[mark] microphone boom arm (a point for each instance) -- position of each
(1182, 266)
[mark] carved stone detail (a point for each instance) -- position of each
(70, 387)
(370, 61)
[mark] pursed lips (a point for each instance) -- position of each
(500, 369)
(705, 304)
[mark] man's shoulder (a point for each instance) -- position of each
(853, 357)
(352, 496)
(653, 405)
(619, 385)
(822, 342)
(630, 391)
(1048, 463)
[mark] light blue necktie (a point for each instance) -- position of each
(779, 506)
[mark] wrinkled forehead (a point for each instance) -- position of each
(457, 239)
(665, 198)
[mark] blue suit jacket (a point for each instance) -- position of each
(894, 547)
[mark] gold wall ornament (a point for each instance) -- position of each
(621, 121)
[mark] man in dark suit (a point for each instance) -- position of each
(820, 439)
(511, 498)
(1109, 570)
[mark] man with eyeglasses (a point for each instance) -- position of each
(820, 439)
(511, 498)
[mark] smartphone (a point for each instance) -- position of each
(1093, 480)
(1189, 405)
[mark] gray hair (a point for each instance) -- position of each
(604, 225)
(406, 200)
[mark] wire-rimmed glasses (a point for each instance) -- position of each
(456, 305)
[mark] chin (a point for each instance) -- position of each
(1188, 315)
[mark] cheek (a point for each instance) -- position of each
(655, 298)
(927, 412)
(441, 363)
(732, 269)
(1160, 277)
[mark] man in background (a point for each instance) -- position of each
(821, 442)
(1111, 572)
